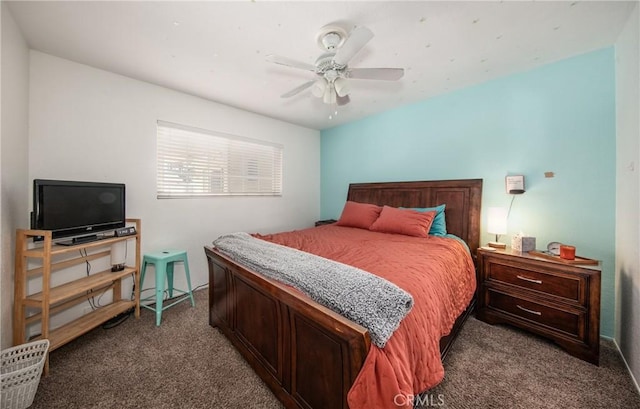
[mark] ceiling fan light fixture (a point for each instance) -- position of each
(318, 88)
(329, 95)
(342, 87)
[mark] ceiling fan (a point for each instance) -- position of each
(332, 65)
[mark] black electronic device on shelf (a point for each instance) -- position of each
(76, 208)
(125, 231)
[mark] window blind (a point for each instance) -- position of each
(195, 162)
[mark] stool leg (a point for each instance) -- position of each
(186, 272)
(160, 274)
(143, 269)
(170, 278)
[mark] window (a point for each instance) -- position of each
(195, 162)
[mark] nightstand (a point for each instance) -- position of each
(322, 222)
(557, 300)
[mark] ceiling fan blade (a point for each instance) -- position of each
(342, 100)
(298, 90)
(288, 62)
(354, 43)
(386, 74)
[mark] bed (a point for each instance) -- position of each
(308, 355)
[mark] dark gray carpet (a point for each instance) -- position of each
(502, 367)
(185, 363)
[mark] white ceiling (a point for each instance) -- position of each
(216, 50)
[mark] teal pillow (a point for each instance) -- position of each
(439, 225)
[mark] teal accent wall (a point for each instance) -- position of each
(557, 118)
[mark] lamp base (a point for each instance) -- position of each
(497, 245)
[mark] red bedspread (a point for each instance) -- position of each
(439, 274)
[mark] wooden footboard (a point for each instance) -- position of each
(308, 355)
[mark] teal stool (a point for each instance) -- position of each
(163, 262)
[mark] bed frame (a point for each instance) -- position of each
(308, 355)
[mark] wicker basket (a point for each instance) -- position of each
(20, 372)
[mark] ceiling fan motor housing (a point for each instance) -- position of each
(325, 63)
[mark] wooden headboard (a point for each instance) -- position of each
(462, 199)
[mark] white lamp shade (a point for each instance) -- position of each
(318, 88)
(342, 87)
(497, 220)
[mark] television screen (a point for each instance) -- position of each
(70, 208)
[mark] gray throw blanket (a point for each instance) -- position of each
(364, 298)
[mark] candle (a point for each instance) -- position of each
(567, 252)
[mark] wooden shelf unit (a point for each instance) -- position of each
(51, 300)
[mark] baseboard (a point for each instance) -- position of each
(635, 381)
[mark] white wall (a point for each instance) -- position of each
(89, 124)
(627, 194)
(13, 157)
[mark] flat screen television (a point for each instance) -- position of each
(74, 208)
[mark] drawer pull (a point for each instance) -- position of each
(531, 280)
(528, 310)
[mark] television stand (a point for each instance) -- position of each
(38, 264)
(78, 240)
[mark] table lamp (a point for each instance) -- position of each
(497, 224)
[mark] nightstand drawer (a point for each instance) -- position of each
(568, 322)
(569, 287)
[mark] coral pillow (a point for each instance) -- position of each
(360, 215)
(404, 221)
(439, 225)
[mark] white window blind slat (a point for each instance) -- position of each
(194, 162)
